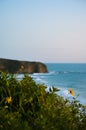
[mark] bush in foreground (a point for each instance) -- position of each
(26, 105)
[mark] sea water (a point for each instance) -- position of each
(65, 76)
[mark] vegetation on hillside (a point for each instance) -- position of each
(26, 105)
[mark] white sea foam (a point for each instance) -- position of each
(20, 76)
(64, 78)
(52, 72)
(38, 79)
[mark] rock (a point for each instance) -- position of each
(22, 67)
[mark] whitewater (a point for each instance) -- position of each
(65, 76)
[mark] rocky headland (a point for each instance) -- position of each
(22, 67)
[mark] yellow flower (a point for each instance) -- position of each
(9, 99)
(71, 91)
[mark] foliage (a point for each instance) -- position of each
(26, 105)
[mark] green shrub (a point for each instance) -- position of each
(26, 105)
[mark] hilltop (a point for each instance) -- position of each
(22, 67)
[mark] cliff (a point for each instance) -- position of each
(22, 67)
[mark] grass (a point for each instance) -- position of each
(26, 105)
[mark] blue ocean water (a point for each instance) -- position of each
(65, 76)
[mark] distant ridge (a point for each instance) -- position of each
(22, 67)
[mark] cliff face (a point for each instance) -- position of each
(22, 67)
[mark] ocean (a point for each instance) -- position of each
(65, 76)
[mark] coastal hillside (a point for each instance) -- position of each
(26, 105)
(22, 67)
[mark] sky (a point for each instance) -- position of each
(50, 31)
